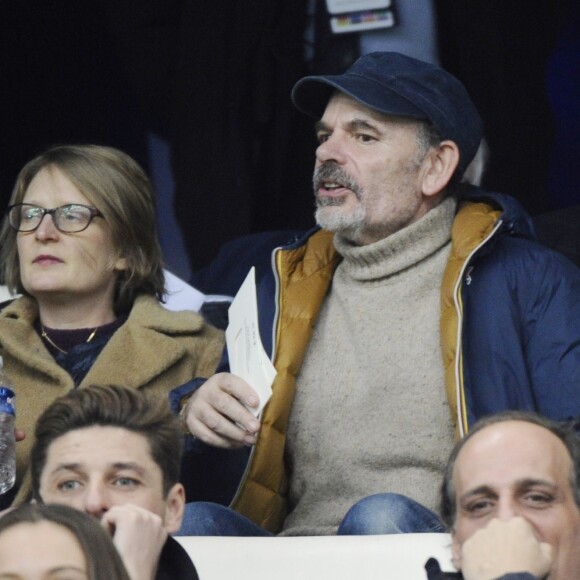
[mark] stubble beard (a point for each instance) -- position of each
(328, 214)
(354, 224)
(329, 217)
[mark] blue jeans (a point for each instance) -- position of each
(383, 513)
(388, 513)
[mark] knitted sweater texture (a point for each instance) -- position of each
(370, 413)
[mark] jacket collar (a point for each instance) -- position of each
(515, 219)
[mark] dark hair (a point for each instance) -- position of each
(111, 406)
(564, 431)
(427, 136)
(103, 560)
(119, 188)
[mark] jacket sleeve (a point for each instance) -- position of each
(551, 325)
(521, 332)
(207, 473)
(434, 572)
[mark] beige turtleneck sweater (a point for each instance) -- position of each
(370, 413)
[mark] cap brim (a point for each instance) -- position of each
(311, 94)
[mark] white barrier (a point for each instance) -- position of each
(393, 557)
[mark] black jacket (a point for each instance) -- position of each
(434, 572)
(174, 563)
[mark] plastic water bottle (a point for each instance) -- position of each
(7, 440)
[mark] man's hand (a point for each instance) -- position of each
(19, 434)
(217, 414)
(139, 536)
(504, 547)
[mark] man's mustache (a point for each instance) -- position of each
(330, 172)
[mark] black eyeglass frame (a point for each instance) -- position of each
(94, 212)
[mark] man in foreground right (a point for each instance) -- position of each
(511, 501)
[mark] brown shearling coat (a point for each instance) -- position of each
(155, 349)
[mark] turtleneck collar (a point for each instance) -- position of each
(400, 250)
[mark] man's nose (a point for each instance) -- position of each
(332, 149)
(96, 500)
(507, 509)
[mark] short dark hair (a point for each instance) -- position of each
(103, 560)
(111, 406)
(565, 431)
(119, 188)
(427, 136)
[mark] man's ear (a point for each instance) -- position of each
(441, 163)
(174, 507)
(455, 551)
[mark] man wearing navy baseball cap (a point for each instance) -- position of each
(418, 305)
(400, 86)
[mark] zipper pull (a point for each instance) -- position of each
(468, 277)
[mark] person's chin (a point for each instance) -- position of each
(46, 289)
(329, 217)
(336, 217)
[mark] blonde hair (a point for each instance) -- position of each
(119, 188)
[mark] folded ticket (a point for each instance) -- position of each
(247, 356)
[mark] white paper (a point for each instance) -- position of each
(247, 356)
(180, 295)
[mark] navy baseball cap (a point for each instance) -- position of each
(399, 85)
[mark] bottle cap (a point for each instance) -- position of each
(6, 400)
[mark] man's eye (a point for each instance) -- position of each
(69, 485)
(539, 499)
(365, 138)
(322, 137)
(126, 482)
(479, 508)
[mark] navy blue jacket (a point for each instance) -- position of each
(510, 316)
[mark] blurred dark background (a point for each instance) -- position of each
(198, 92)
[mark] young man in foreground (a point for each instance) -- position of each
(115, 454)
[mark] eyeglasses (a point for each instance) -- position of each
(70, 218)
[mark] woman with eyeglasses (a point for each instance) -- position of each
(79, 243)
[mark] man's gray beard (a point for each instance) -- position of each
(334, 221)
(348, 226)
